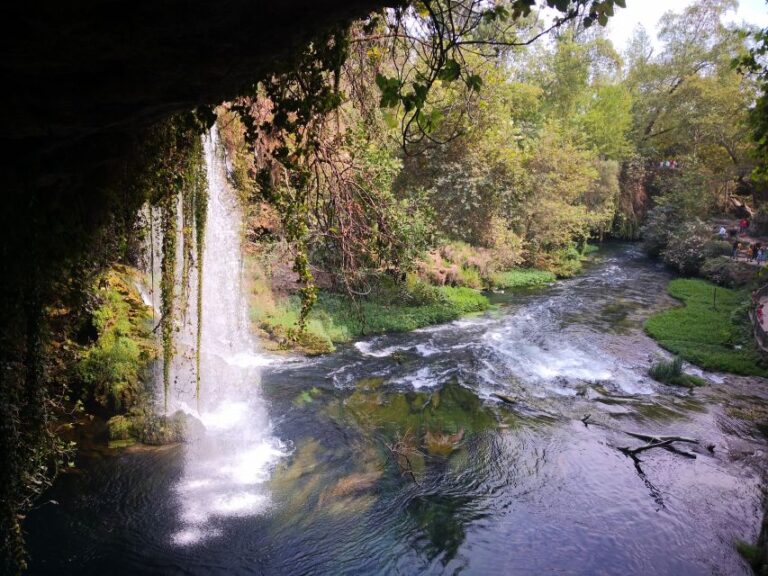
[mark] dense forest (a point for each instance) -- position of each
(396, 171)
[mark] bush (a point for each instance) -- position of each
(336, 318)
(666, 370)
(715, 248)
(724, 271)
(685, 247)
(660, 224)
(671, 372)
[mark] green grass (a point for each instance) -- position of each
(714, 338)
(521, 278)
(590, 249)
(336, 318)
(671, 372)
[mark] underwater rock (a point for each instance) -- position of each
(351, 485)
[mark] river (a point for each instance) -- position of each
(396, 457)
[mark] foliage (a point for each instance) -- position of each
(760, 220)
(522, 278)
(685, 247)
(754, 64)
(671, 372)
(724, 271)
(715, 338)
(442, 36)
(659, 226)
(110, 370)
(715, 248)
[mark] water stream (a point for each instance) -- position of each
(395, 456)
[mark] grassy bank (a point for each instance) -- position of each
(337, 318)
(522, 278)
(714, 337)
(424, 299)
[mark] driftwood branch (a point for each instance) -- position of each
(400, 450)
(665, 442)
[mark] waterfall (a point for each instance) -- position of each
(225, 468)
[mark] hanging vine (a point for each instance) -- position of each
(168, 219)
(300, 102)
(201, 217)
(187, 194)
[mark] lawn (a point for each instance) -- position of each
(713, 337)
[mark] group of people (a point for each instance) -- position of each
(668, 164)
(743, 227)
(754, 252)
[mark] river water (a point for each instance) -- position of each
(396, 457)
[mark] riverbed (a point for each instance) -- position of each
(489, 445)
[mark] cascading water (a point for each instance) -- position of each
(225, 467)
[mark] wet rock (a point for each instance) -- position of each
(439, 444)
(178, 427)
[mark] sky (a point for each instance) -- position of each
(648, 12)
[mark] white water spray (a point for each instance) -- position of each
(226, 468)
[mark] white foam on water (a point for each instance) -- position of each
(368, 348)
(425, 377)
(427, 349)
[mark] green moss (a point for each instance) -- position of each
(750, 553)
(435, 418)
(120, 428)
(521, 278)
(110, 369)
(715, 338)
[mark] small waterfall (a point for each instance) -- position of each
(225, 468)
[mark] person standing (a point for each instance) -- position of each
(722, 232)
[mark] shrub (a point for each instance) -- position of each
(666, 370)
(685, 247)
(111, 368)
(714, 248)
(726, 272)
(671, 372)
(659, 226)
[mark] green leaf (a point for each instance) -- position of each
(450, 71)
(474, 82)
